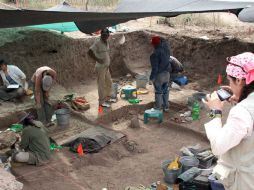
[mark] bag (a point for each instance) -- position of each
(80, 103)
(176, 66)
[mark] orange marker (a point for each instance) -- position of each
(219, 81)
(80, 150)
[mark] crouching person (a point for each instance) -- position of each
(11, 76)
(42, 81)
(35, 144)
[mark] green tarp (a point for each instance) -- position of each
(62, 27)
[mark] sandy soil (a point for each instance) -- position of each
(115, 166)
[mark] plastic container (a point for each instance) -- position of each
(201, 183)
(134, 101)
(204, 164)
(129, 92)
(141, 81)
(114, 90)
(170, 176)
(153, 113)
(215, 184)
(195, 111)
(188, 162)
(63, 117)
(181, 80)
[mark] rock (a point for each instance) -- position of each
(8, 181)
(128, 76)
(7, 139)
(135, 122)
(131, 145)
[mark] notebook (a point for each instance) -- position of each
(13, 86)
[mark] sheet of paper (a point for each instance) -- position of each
(13, 86)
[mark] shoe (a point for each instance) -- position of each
(166, 110)
(50, 124)
(105, 105)
(112, 100)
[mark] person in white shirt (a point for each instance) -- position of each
(233, 142)
(11, 76)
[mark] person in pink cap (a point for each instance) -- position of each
(233, 142)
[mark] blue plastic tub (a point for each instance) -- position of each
(215, 184)
(181, 80)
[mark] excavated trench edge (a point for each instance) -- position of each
(125, 112)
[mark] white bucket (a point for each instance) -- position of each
(63, 117)
(141, 81)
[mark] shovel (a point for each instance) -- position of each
(174, 165)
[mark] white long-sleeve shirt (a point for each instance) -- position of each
(15, 73)
(239, 125)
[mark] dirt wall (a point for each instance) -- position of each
(203, 59)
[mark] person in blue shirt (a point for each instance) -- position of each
(160, 74)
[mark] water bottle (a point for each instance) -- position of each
(195, 112)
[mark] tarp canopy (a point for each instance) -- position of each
(182, 6)
(89, 22)
(247, 15)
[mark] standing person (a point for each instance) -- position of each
(34, 144)
(233, 142)
(160, 74)
(42, 81)
(11, 75)
(99, 51)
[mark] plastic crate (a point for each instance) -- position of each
(204, 164)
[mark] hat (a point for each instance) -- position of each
(47, 82)
(156, 40)
(241, 66)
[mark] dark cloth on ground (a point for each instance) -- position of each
(90, 145)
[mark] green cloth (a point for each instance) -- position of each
(35, 140)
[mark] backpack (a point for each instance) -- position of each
(176, 66)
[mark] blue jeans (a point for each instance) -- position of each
(161, 87)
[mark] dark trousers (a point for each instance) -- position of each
(9, 94)
(46, 111)
(161, 87)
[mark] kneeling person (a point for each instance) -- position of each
(35, 144)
